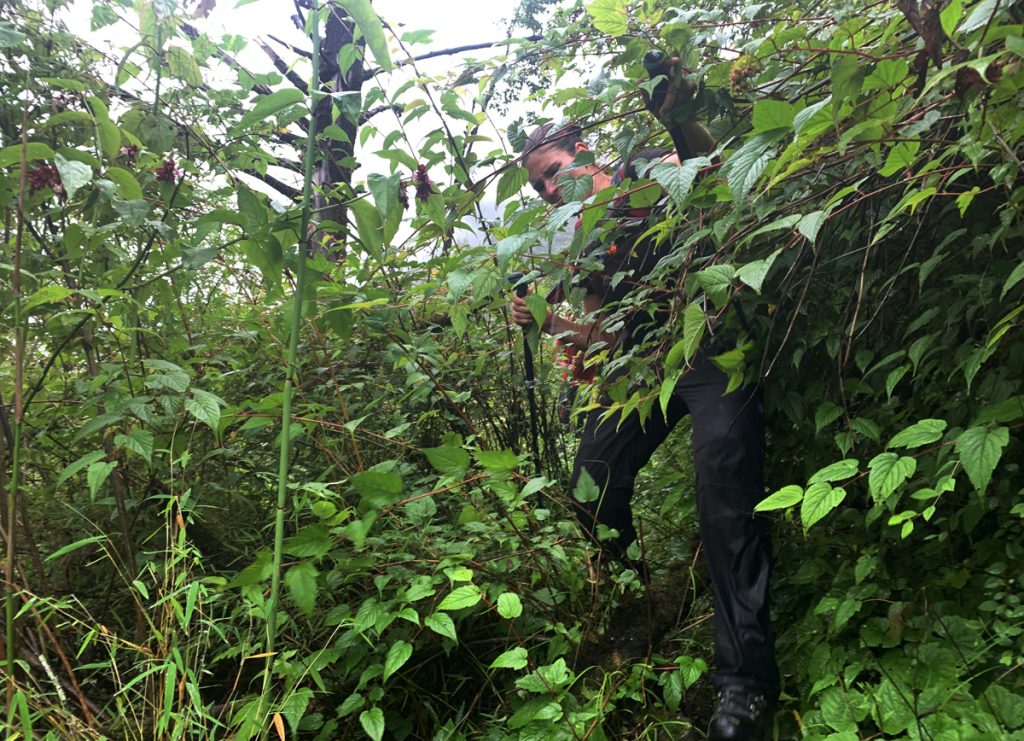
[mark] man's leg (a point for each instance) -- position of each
(728, 443)
(613, 454)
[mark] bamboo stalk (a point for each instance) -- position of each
(19, 370)
(293, 345)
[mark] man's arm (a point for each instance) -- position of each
(580, 335)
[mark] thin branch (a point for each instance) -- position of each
(294, 49)
(283, 68)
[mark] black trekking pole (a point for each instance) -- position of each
(521, 290)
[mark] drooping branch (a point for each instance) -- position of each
(282, 67)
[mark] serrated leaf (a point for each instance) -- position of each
(837, 471)
(442, 624)
(97, 474)
(586, 489)
(398, 654)
(509, 605)
(887, 472)
(514, 658)
(811, 224)
(205, 407)
(754, 273)
(46, 295)
(372, 721)
(509, 247)
(73, 174)
(378, 488)
(137, 441)
(773, 114)
(716, 281)
(300, 581)
(511, 182)
(497, 461)
(918, 434)
(677, 180)
(461, 597)
(787, 496)
(312, 541)
(980, 449)
(747, 164)
(449, 459)
(819, 499)
(609, 16)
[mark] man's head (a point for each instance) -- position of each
(549, 149)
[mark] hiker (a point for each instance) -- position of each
(728, 437)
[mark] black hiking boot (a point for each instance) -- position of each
(741, 715)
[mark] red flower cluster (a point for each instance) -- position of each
(45, 176)
(422, 180)
(169, 172)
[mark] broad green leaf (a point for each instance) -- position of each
(511, 182)
(378, 488)
(811, 224)
(668, 387)
(819, 499)
(773, 114)
(84, 462)
(33, 151)
(980, 16)
(182, 65)
(132, 213)
(97, 474)
(677, 180)
(442, 624)
(980, 449)
(716, 281)
(951, 15)
(461, 597)
(450, 459)
(497, 461)
(127, 186)
(372, 30)
(694, 324)
(110, 138)
(514, 658)
(9, 35)
(372, 721)
(300, 581)
(787, 496)
(369, 224)
(538, 307)
(754, 273)
(138, 441)
(509, 605)
(918, 434)
(398, 654)
(312, 541)
(73, 174)
(511, 246)
(46, 295)
(205, 407)
(837, 471)
(1005, 411)
(268, 105)
(747, 164)
(900, 157)
(575, 188)
(826, 413)
(586, 489)
(887, 473)
(1015, 277)
(609, 16)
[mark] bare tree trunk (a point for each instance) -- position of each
(333, 176)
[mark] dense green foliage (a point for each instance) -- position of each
(854, 244)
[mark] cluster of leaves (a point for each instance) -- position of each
(850, 246)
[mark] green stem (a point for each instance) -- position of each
(19, 369)
(293, 346)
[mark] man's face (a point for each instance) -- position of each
(545, 167)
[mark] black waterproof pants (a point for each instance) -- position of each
(728, 447)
